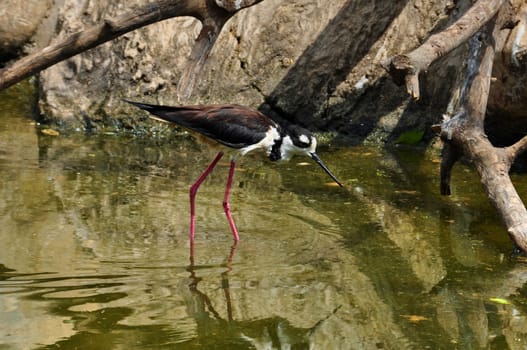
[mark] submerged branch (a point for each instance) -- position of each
(449, 156)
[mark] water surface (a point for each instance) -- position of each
(94, 250)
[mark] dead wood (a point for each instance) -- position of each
(405, 68)
(212, 14)
(464, 134)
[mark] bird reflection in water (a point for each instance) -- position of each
(267, 333)
(238, 130)
(194, 280)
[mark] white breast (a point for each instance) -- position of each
(266, 143)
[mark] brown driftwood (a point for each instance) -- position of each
(405, 68)
(212, 13)
(463, 133)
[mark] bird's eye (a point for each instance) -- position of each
(303, 141)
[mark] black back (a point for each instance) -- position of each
(232, 125)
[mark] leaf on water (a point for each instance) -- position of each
(415, 318)
(303, 164)
(332, 184)
(500, 301)
(50, 132)
(410, 192)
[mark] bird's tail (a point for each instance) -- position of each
(165, 113)
(154, 109)
(145, 106)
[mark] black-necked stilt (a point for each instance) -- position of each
(242, 129)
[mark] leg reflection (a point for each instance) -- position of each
(218, 330)
(225, 281)
(203, 301)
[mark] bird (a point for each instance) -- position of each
(242, 129)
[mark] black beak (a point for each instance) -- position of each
(323, 166)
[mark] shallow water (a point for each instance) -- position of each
(94, 250)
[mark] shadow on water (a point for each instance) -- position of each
(94, 250)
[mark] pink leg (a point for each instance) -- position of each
(226, 205)
(194, 190)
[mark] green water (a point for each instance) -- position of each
(94, 250)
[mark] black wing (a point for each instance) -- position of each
(232, 125)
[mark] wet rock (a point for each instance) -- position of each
(20, 20)
(89, 87)
(313, 62)
(273, 55)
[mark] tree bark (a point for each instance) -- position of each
(212, 14)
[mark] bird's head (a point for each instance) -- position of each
(297, 140)
(300, 141)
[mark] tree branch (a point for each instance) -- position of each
(518, 148)
(235, 5)
(207, 11)
(465, 132)
(449, 156)
(405, 68)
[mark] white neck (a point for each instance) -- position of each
(288, 149)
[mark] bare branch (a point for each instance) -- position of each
(465, 132)
(405, 68)
(518, 148)
(235, 5)
(206, 11)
